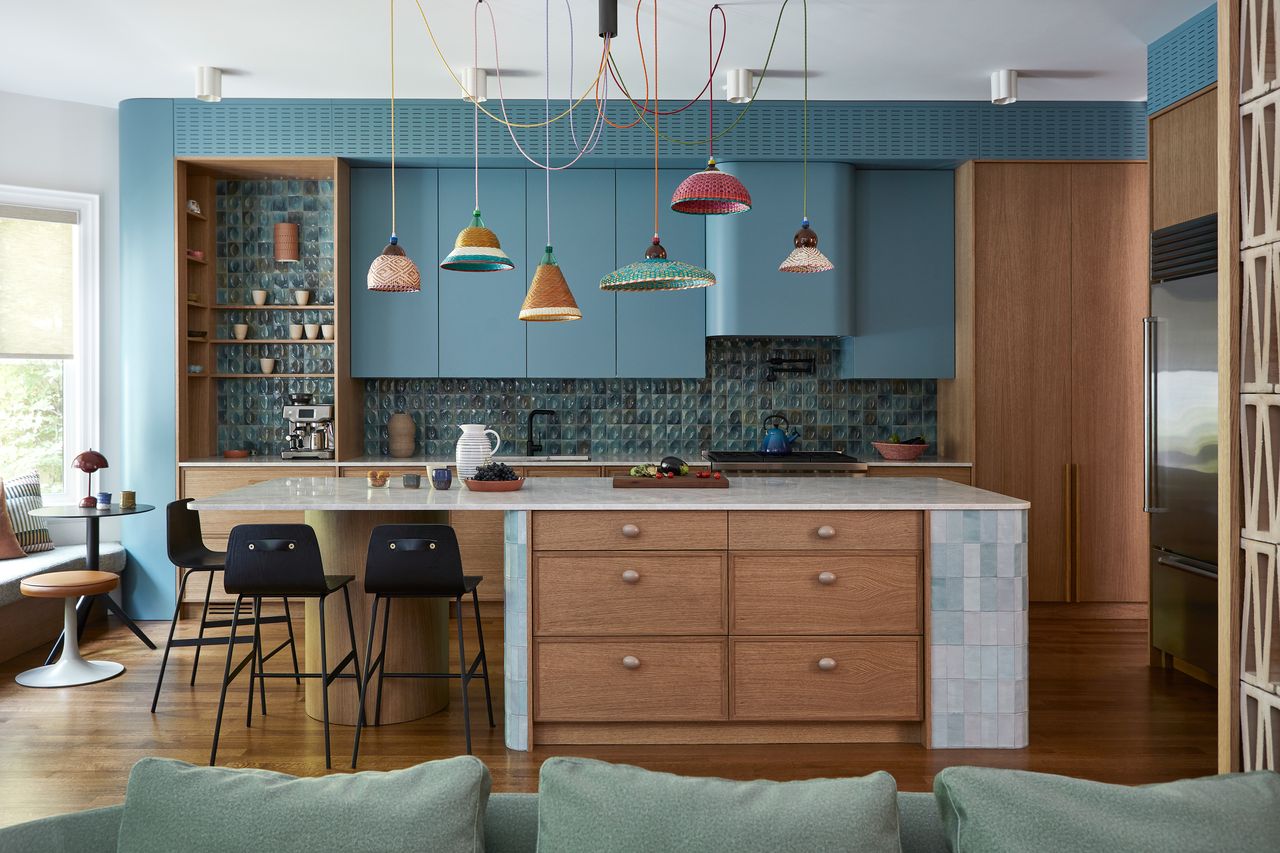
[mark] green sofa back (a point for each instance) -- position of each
(511, 826)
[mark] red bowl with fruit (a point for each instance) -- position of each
(898, 452)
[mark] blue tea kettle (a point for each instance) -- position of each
(776, 440)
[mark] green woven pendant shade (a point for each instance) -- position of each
(655, 272)
(477, 250)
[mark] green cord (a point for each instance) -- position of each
(754, 93)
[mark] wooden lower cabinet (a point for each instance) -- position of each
(957, 474)
(562, 471)
(764, 632)
(833, 678)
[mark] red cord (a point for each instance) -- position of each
(707, 87)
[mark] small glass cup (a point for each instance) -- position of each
(441, 478)
(411, 481)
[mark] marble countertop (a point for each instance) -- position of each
(423, 461)
(574, 493)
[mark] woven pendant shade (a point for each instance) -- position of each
(285, 235)
(711, 192)
(549, 298)
(654, 272)
(477, 250)
(393, 272)
(805, 257)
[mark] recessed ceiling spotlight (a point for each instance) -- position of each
(738, 85)
(1004, 86)
(477, 82)
(208, 84)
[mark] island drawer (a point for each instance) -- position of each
(627, 530)
(600, 594)
(629, 680)
(826, 594)
(880, 530)
(870, 678)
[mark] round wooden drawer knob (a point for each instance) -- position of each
(630, 576)
(630, 531)
(826, 578)
(827, 664)
(826, 531)
(632, 662)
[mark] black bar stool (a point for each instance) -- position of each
(188, 553)
(418, 561)
(274, 561)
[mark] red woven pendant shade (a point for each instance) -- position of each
(711, 192)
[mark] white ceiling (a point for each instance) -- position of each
(102, 53)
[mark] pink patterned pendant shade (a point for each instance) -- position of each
(711, 192)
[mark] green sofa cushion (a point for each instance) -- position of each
(990, 810)
(589, 806)
(172, 805)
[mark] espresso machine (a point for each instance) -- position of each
(310, 429)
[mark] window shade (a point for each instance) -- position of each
(37, 283)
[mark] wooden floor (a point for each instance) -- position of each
(1097, 711)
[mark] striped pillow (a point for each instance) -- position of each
(21, 495)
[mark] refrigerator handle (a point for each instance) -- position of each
(1148, 413)
(1186, 564)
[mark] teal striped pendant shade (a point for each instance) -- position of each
(477, 250)
(654, 272)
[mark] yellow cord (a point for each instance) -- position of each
(462, 87)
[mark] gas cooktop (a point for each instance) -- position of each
(829, 460)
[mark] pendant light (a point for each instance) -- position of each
(477, 248)
(392, 271)
(654, 271)
(710, 192)
(549, 298)
(806, 257)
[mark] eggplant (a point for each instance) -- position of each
(673, 465)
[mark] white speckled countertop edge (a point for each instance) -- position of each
(575, 493)
(422, 461)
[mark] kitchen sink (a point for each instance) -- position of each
(528, 460)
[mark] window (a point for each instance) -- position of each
(48, 333)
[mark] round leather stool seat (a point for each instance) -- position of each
(69, 584)
(70, 669)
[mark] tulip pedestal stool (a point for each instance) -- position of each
(70, 668)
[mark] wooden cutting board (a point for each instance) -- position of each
(688, 481)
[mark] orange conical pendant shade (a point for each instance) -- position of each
(549, 298)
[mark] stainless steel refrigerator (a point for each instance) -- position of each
(1181, 416)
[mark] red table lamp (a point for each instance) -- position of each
(88, 462)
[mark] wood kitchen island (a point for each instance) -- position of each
(780, 610)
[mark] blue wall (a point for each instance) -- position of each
(1183, 61)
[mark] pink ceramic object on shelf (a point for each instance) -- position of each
(895, 452)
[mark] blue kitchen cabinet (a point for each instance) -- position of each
(663, 333)
(904, 277)
(582, 223)
(394, 335)
(481, 334)
(745, 249)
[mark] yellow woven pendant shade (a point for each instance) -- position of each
(549, 298)
(477, 250)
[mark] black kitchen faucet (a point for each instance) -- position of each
(533, 446)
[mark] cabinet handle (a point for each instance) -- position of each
(827, 664)
(630, 531)
(630, 576)
(826, 531)
(826, 578)
(631, 662)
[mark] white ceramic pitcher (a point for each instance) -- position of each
(474, 450)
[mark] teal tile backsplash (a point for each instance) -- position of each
(653, 417)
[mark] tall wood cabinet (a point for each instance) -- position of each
(1051, 288)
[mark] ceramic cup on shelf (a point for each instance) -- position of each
(302, 297)
(259, 297)
(313, 331)
(240, 330)
(268, 365)
(295, 331)
(326, 331)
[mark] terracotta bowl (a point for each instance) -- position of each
(235, 454)
(899, 452)
(494, 485)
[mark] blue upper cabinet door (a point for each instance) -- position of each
(582, 233)
(904, 272)
(480, 333)
(745, 249)
(662, 334)
(394, 335)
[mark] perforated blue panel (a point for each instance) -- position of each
(253, 127)
(854, 131)
(1183, 61)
